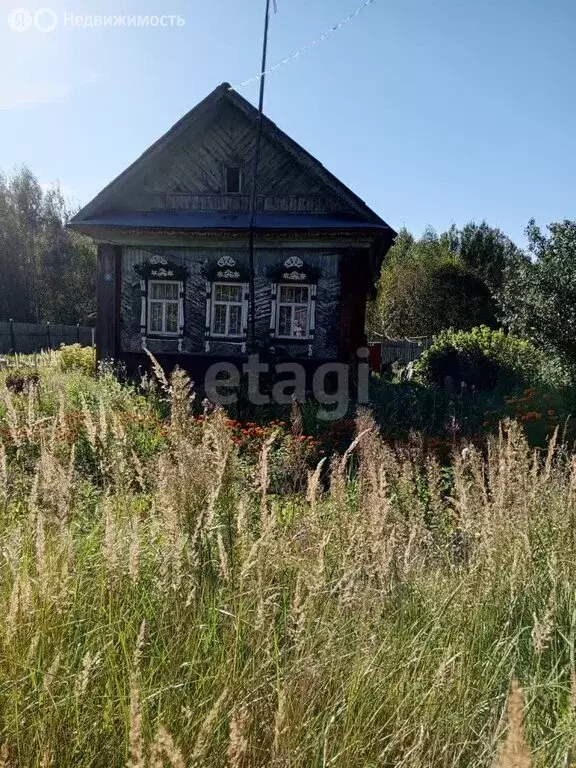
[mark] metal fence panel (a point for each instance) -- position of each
(30, 338)
(403, 351)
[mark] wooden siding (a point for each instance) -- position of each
(190, 174)
(197, 261)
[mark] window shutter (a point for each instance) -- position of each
(208, 314)
(273, 308)
(312, 326)
(143, 308)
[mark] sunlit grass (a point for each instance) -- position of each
(161, 607)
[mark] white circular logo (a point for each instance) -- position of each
(20, 20)
(45, 20)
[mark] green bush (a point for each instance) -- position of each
(482, 358)
(75, 357)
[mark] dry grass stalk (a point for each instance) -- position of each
(544, 627)
(89, 663)
(164, 744)
(264, 479)
(158, 372)
(134, 549)
(136, 742)
(238, 740)
(203, 738)
(51, 673)
(5, 756)
(279, 724)
(515, 752)
(314, 484)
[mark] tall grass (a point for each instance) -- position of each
(164, 608)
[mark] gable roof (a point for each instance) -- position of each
(92, 213)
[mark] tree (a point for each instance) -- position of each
(538, 297)
(425, 287)
(48, 272)
(486, 251)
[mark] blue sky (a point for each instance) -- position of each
(433, 111)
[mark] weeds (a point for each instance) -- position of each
(164, 605)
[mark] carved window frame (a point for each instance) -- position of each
(178, 301)
(158, 269)
(293, 273)
(226, 272)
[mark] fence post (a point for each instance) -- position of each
(77, 333)
(48, 335)
(12, 337)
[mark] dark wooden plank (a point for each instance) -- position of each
(354, 283)
(108, 286)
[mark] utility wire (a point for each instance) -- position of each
(307, 47)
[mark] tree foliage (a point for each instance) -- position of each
(538, 298)
(48, 272)
(427, 285)
(482, 358)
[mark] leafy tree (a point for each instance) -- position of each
(538, 297)
(486, 251)
(425, 287)
(48, 272)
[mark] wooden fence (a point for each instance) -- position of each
(28, 338)
(403, 351)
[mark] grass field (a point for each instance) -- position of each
(162, 604)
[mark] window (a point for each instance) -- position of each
(164, 307)
(293, 319)
(228, 309)
(233, 180)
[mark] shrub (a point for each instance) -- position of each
(79, 358)
(482, 358)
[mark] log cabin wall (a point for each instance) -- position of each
(198, 261)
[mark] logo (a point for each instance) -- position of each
(21, 20)
(45, 20)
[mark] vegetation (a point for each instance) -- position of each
(164, 605)
(481, 358)
(539, 295)
(439, 282)
(48, 272)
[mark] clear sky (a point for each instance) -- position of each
(433, 111)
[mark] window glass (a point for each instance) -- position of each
(227, 310)
(163, 307)
(233, 180)
(293, 311)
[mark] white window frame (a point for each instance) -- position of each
(243, 303)
(240, 179)
(309, 310)
(179, 301)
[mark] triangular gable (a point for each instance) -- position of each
(220, 130)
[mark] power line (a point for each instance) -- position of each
(306, 47)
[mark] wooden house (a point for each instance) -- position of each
(172, 231)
